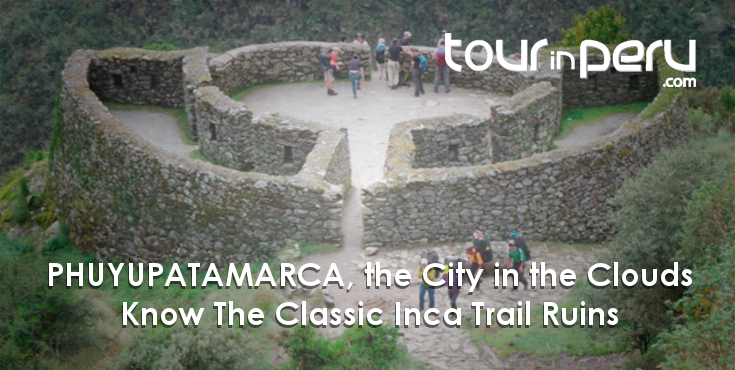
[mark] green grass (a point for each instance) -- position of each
(197, 154)
(590, 116)
(178, 114)
(539, 341)
(309, 248)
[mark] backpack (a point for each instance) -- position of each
(422, 59)
(324, 62)
(440, 58)
(380, 56)
(521, 243)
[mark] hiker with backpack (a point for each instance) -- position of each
(329, 63)
(519, 241)
(517, 259)
(476, 262)
(424, 287)
(418, 64)
(380, 59)
(481, 242)
(360, 40)
(441, 70)
(452, 283)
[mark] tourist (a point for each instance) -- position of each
(440, 68)
(519, 240)
(417, 72)
(356, 73)
(335, 65)
(406, 40)
(343, 39)
(476, 262)
(452, 284)
(380, 59)
(441, 39)
(394, 64)
(360, 40)
(517, 260)
(424, 287)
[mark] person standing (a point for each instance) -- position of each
(417, 71)
(517, 259)
(356, 73)
(451, 279)
(424, 287)
(380, 59)
(360, 40)
(440, 68)
(334, 65)
(476, 262)
(406, 40)
(394, 63)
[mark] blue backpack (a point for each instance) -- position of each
(422, 59)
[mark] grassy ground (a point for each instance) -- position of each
(588, 116)
(308, 248)
(543, 342)
(178, 114)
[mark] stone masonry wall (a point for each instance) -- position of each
(561, 195)
(125, 198)
(278, 62)
(606, 88)
(132, 76)
(459, 140)
(526, 123)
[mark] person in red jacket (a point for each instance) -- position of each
(440, 68)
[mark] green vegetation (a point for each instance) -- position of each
(310, 248)
(603, 24)
(178, 114)
(357, 348)
(544, 342)
(591, 116)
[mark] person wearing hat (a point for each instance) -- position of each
(406, 38)
(394, 63)
(441, 38)
(517, 259)
(380, 59)
(335, 64)
(519, 240)
(424, 287)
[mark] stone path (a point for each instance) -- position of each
(158, 128)
(582, 134)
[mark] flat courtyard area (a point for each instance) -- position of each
(370, 117)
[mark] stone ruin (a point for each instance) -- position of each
(275, 179)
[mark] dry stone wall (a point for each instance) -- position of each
(527, 123)
(562, 195)
(294, 61)
(459, 140)
(606, 88)
(123, 197)
(136, 77)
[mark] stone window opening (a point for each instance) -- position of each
(287, 154)
(212, 132)
(454, 152)
(133, 69)
(154, 82)
(117, 80)
(634, 83)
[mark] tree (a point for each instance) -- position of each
(604, 25)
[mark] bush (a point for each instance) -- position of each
(202, 348)
(59, 241)
(604, 25)
(704, 335)
(21, 209)
(653, 213)
(35, 318)
(13, 358)
(357, 348)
